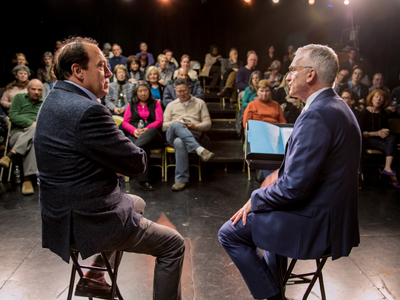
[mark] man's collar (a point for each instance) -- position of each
(312, 97)
(87, 92)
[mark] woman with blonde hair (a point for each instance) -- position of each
(374, 124)
(153, 77)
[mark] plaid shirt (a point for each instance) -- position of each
(112, 97)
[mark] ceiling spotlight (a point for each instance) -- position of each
(311, 2)
(346, 2)
(248, 1)
(275, 1)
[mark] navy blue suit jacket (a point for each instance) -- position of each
(78, 150)
(313, 206)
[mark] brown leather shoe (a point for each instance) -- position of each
(5, 162)
(27, 188)
(179, 186)
(87, 287)
(206, 155)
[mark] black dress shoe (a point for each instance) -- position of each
(146, 186)
(87, 287)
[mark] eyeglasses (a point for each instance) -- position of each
(181, 91)
(294, 68)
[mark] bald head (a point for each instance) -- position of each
(35, 90)
(183, 73)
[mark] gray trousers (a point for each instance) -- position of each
(21, 142)
(162, 242)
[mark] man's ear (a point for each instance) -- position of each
(311, 76)
(76, 70)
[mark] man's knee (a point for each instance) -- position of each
(224, 233)
(179, 144)
(139, 205)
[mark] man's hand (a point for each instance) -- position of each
(242, 213)
(138, 132)
(191, 126)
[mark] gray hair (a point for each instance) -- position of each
(18, 68)
(276, 65)
(323, 59)
(180, 81)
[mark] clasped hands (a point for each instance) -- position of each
(383, 133)
(189, 125)
(139, 131)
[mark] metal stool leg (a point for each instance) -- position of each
(113, 274)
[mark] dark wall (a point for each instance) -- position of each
(190, 26)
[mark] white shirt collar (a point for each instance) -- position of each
(89, 93)
(312, 98)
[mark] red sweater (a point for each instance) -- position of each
(267, 111)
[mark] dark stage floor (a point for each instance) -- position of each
(31, 273)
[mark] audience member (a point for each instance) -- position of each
(119, 92)
(144, 108)
(185, 63)
(79, 168)
(143, 50)
(250, 93)
(172, 63)
(166, 74)
(351, 98)
(287, 58)
(394, 106)
(195, 88)
(118, 58)
(23, 113)
(274, 77)
(47, 61)
(20, 60)
(340, 80)
(378, 83)
(229, 68)
(153, 77)
(3, 128)
(50, 80)
(134, 73)
(212, 67)
(107, 51)
(144, 63)
(57, 45)
(263, 108)
(356, 85)
(18, 86)
(374, 126)
(352, 62)
(291, 106)
(268, 59)
(186, 120)
(244, 73)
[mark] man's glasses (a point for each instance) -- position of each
(294, 68)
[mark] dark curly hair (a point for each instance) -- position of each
(135, 99)
(72, 51)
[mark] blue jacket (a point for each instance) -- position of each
(313, 206)
(169, 92)
(79, 149)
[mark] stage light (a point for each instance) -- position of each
(275, 1)
(346, 2)
(311, 2)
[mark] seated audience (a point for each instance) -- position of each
(107, 51)
(287, 57)
(20, 60)
(229, 68)
(143, 50)
(243, 74)
(291, 106)
(212, 67)
(341, 79)
(118, 58)
(50, 81)
(143, 107)
(352, 62)
(172, 63)
(134, 73)
(274, 77)
(23, 113)
(185, 63)
(57, 45)
(374, 127)
(356, 85)
(166, 75)
(351, 98)
(186, 120)
(18, 86)
(286, 63)
(250, 93)
(144, 63)
(119, 92)
(153, 77)
(268, 59)
(47, 61)
(3, 128)
(394, 106)
(195, 88)
(263, 108)
(378, 83)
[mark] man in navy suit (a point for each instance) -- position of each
(80, 155)
(309, 206)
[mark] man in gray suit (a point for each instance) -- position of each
(81, 155)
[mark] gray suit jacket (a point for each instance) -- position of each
(79, 149)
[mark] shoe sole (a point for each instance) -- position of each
(90, 295)
(211, 156)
